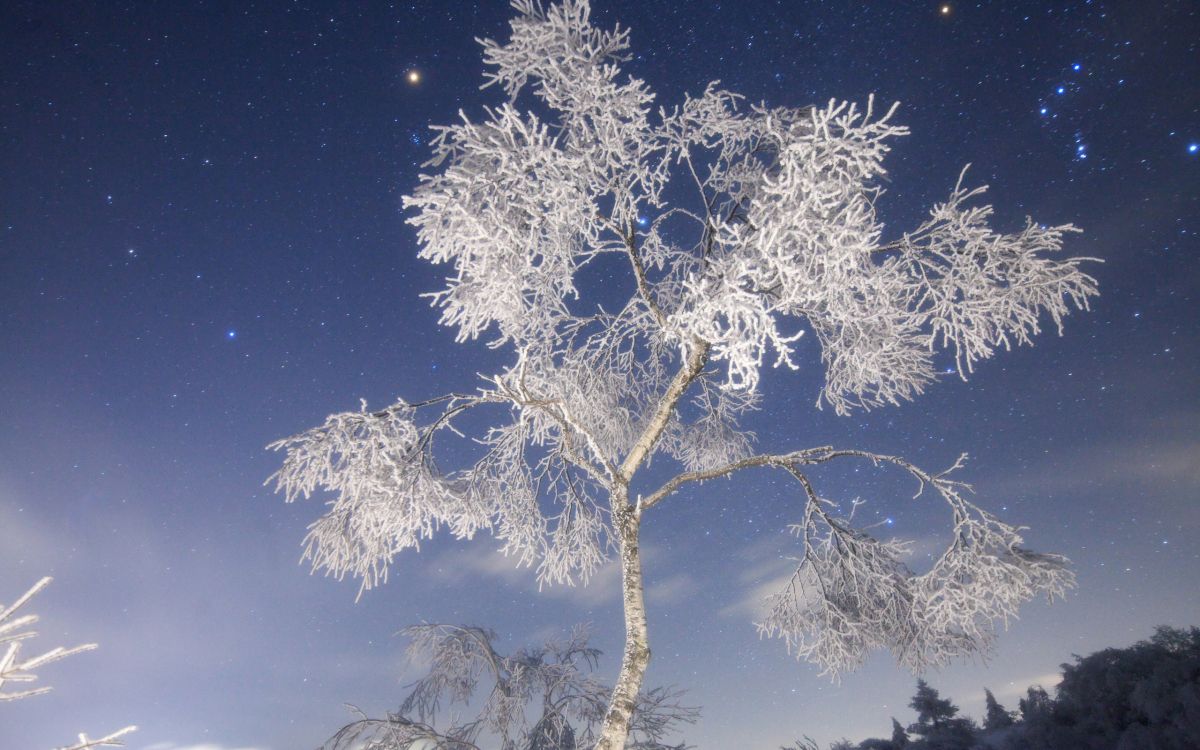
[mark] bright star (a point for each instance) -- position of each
(413, 77)
(1043, 110)
(945, 9)
(1076, 66)
(1061, 90)
(642, 221)
(1193, 148)
(231, 334)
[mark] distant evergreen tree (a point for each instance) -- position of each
(937, 723)
(1036, 704)
(997, 717)
(933, 711)
(899, 736)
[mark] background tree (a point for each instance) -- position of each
(933, 711)
(1144, 696)
(996, 716)
(738, 229)
(542, 698)
(14, 630)
(1037, 703)
(938, 726)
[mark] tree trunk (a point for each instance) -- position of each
(613, 734)
(627, 520)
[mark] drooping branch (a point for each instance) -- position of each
(538, 698)
(394, 732)
(390, 493)
(852, 593)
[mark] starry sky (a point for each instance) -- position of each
(202, 250)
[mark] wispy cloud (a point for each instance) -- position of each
(673, 589)
(1160, 462)
(1016, 688)
(474, 560)
(765, 568)
(461, 563)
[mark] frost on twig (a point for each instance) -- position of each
(110, 740)
(14, 630)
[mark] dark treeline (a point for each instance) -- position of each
(1144, 697)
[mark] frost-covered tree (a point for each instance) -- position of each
(14, 630)
(741, 228)
(542, 698)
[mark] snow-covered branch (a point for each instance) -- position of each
(109, 740)
(852, 594)
(14, 630)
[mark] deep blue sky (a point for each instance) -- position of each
(202, 250)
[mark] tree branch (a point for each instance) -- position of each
(110, 740)
(666, 406)
(805, 457)
(639, 272)
(558, 412)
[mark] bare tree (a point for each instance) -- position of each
(14, 630)
(740, 228)
(539, 699)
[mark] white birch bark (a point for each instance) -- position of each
(636, 655)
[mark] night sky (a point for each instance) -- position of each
(202, 250)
